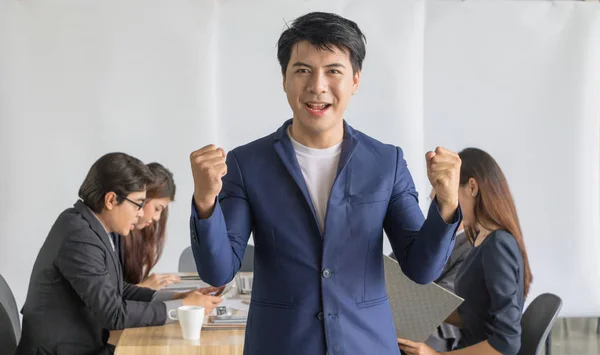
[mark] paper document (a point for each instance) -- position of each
(417, 309)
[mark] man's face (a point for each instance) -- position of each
(123, 216)
(318, 84)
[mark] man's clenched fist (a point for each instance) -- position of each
(443, 170)
(208, 167)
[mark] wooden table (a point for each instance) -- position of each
(167, 340)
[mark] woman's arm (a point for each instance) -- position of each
(501, 265)
(159, 281)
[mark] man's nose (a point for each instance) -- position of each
(318, 83)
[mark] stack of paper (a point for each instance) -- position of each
(236, 320)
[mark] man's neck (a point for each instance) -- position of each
(100, 218)
(320, 140)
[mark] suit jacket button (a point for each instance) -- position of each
(326, 273)
(320, 316)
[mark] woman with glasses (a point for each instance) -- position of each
(494, 278)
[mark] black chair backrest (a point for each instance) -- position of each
(187, 263)
(10, 326)
(537, 322)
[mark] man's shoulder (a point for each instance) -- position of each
(70, 220)
(256, 145)
(71, 226)
(373, 144)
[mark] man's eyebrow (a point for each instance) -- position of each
(332, 65)
(301, 64)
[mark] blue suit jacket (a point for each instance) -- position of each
(316, 292)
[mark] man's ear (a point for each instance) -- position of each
(356, 80)
(110, 200)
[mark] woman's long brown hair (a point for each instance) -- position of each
(143, 248)
(494, 202)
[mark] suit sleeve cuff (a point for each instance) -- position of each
(195, 211)
(206, 227)
(172, 306)
(435, 208)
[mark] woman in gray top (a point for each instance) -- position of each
(495, 277)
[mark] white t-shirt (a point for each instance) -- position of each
(319, 168)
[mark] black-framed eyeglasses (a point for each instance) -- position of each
(139, 205)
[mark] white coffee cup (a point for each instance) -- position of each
(190, 319)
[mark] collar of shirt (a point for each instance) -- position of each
(110, 239)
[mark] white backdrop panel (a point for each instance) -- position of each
(520, 80)
(81, 78)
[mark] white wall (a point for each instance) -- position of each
(160, 79)
(79, 79)
(525, 86)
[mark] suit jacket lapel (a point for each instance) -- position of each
(349, 145)
(285, 150)
(98, 228)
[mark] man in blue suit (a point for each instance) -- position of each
(317, 195)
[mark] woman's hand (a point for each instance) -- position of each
(412, 348)
(210, 290)
(196, 298)
(203, 290)
(159, 281)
